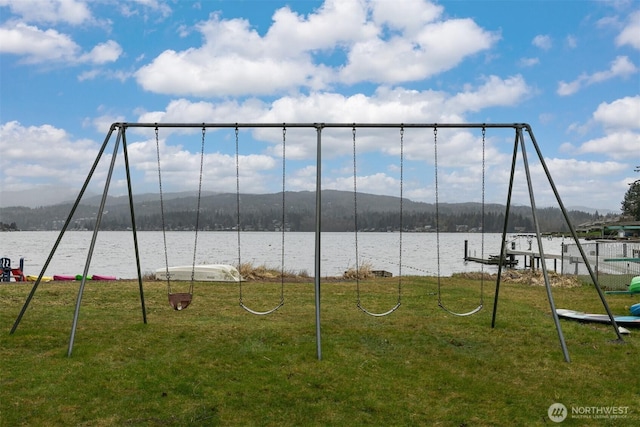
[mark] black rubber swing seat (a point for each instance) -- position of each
(180, 301)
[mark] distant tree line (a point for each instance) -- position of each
(264, 213)
(8, 227)
(296, 221)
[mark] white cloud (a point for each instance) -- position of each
(89, 75)
(27, 154)
(378, 183)
(36, 45)
(620, 67)
(42, 46)
(630, 34)
(336, 24)
(235, 60)
(144, 8)
(565, 89)
(543, 42)
(72, 12)
(410, 18)
(495, 91)
(564, 168)
(185, 111)
(155, 5)
(385, 105)
(620, 121)
(102, 53)
(621, 145)
(102, 123)
(608, 22)
(571, 42)
(528, 62)
(438, 47)
(581, 182)
(104, 73)
(622, 113)
(180, 168)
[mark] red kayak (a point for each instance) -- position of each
(63, 277)
(101, 277)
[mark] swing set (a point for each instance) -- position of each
(181, 300)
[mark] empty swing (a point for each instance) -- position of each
(355, 216)
(282, 227)
(440, 303)
(180, 300)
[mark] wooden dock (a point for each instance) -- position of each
(532, 259)
(492, 260)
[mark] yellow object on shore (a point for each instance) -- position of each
(31, 278)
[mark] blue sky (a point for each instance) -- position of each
(70, 68)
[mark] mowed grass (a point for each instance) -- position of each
(216, 364)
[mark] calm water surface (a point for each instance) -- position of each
(114, 253)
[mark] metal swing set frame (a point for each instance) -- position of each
(119, 128)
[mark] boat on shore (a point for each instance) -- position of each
(628, 321)
(201, 273)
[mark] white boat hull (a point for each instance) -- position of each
(201, 273)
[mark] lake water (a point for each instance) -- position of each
(114, 254)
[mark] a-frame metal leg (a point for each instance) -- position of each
(547, 283)
(64, 229)
(575, 236)
(133, 224)
(93, 242)
(504, 229)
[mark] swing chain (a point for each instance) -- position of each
(355, 215)
(281, 302)
(164, 234)
(195, 243)
(440, 303)
(238, 208)
(355, 203)
(435, 165)
(482, 219)
(284, 218)
(401, 206)
(238, 199)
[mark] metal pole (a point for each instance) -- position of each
(324, 125)
(133, 225)
(64, 229)
(318, 230)
(93, 242)
(575, 235)
(597, 258)
(556, 320)
(504, 229)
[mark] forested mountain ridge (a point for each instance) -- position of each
(264, 212)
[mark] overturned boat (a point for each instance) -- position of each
(201, 273)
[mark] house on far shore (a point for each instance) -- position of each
(623, 230)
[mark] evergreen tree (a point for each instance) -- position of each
(631, 202)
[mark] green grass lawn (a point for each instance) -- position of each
(215, 364)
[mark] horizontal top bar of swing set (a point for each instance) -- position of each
(322, 125)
